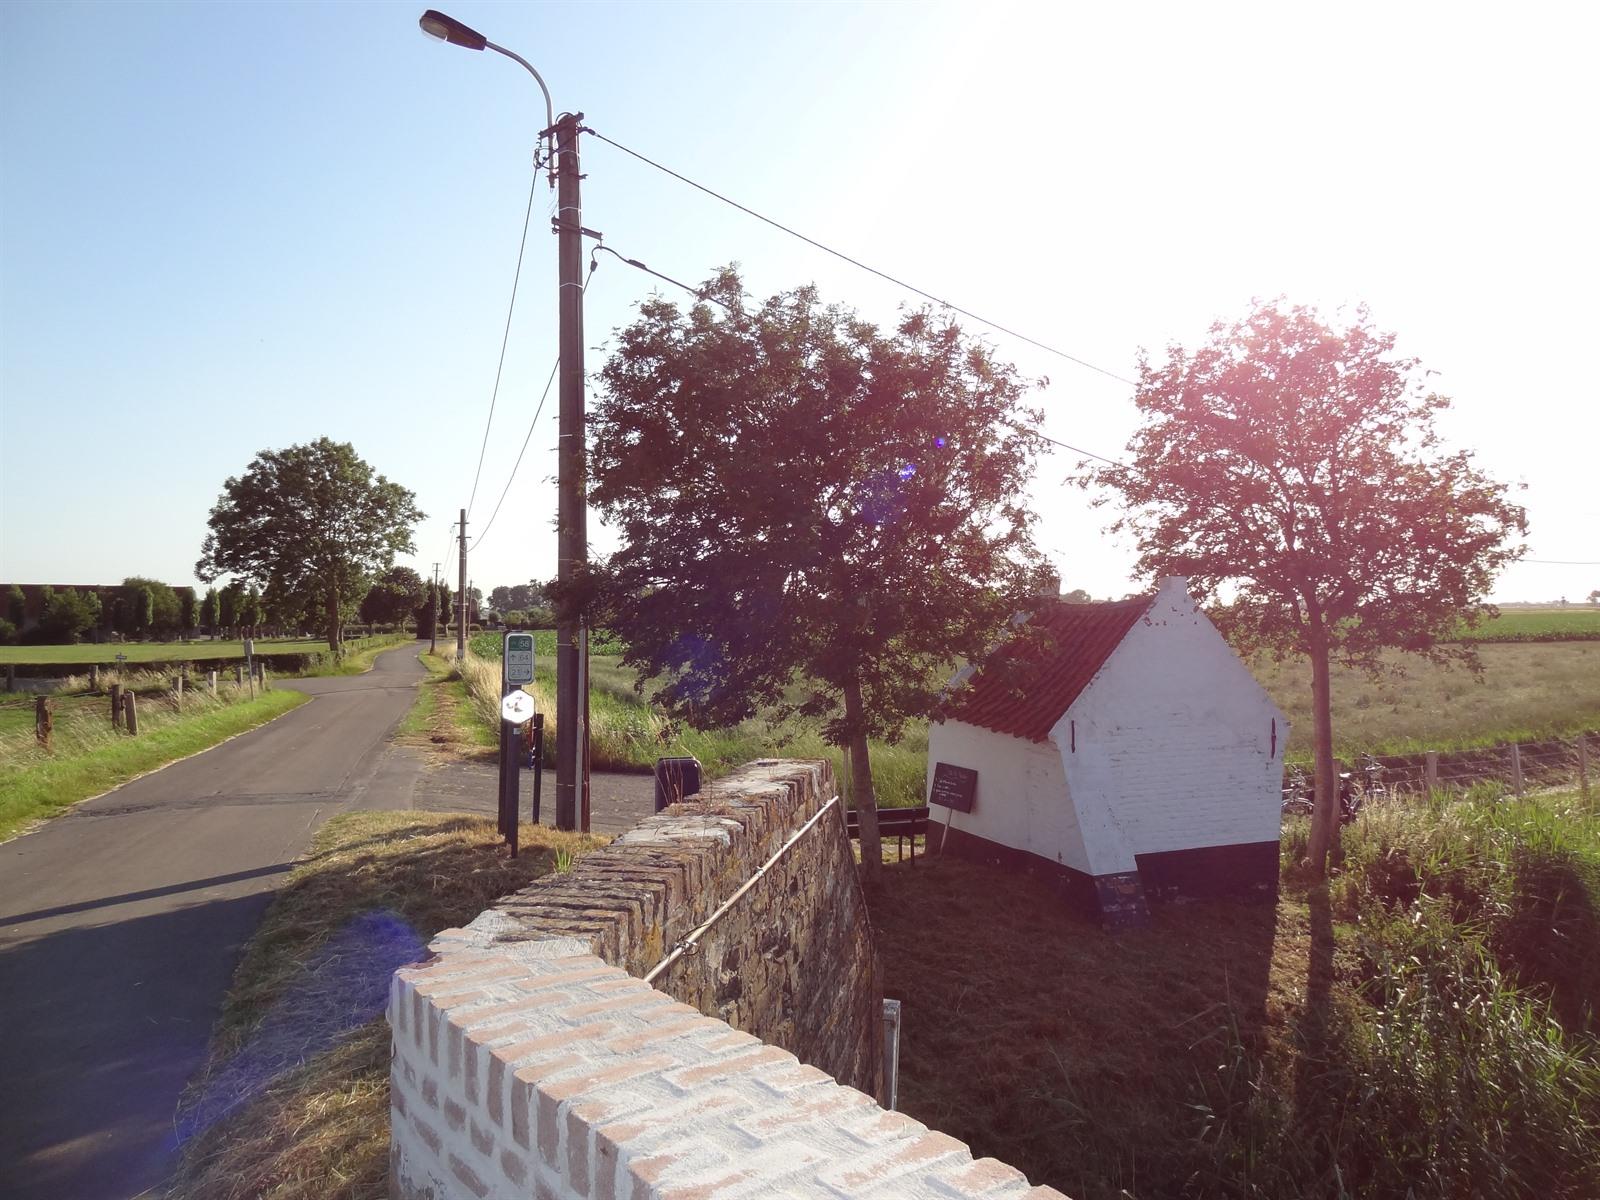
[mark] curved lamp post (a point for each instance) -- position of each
(571, 516)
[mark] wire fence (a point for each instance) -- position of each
(1515, 768)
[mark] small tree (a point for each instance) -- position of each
(516, 618)
(140, 610)
(804, 499)
(208, 612)
(1296, 466)
(16, 606)
(186, 610)
(228, 606)
(312, 517)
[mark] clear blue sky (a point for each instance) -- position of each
(225, 227)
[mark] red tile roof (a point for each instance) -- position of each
(1027, 682)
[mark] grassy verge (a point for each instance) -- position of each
(294, 1101)
(1425, 1025)
(89, 757)
(443, 717)
(358, 655)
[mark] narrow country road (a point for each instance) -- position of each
(121, 923)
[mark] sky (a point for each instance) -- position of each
(228, 227)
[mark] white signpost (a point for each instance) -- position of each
(517, 707)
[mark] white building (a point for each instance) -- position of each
(1128, 751)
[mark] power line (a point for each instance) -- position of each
(543, 396)
(505, 337)
(1559, 562)
(856, 262)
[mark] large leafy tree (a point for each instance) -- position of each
(398, 592)
(1293, 471)
(816, 516)
(310, 518)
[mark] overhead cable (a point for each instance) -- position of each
(856, 262)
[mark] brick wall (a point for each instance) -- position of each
(531, 1060)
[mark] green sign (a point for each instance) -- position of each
(519, 659)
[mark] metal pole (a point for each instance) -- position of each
(571, 517)
(433, 620)
(461, 611)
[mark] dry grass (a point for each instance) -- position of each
(1041, 1040)
(1528, 691)
(294, 1100)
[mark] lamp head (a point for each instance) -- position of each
(447, 29)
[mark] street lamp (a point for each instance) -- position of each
(572, 548)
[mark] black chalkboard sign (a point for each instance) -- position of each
(953, 787)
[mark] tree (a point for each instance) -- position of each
(186, 610)
(395, 596)
(16, 606)
(310, 517)
(520, 596)
(208, 611)
(250, 611)
(157, 612)
(516, 618)
(1296, 467)
(804, 499)
(1078, 596)
(228, 606)
(65, 616)
(1594, 596)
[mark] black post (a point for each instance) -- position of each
(572, 543)
(538, 761)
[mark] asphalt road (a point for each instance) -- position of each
(121, 923)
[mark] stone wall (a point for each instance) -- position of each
(531, 1060)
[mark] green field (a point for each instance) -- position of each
(142, 652)
(1539, 625)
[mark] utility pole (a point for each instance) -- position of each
(461, 625)
(572, 548)
(433, 620)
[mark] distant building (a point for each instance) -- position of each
(1126, 753)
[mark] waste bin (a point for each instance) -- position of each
(676, 778)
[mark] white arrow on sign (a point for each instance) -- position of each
(517, 707)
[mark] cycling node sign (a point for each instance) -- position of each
(517, 707)
(519, 659)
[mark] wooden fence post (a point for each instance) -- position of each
(43, 719)
(211, 682)
(177, 690)
(263, 676)
(116, 706)
(1430, 771)
(1516, 769)
(1583, 764)
(11, 678)
(238, 675)
(132, 712)
(94, 678)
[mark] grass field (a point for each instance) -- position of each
(1529, 690)
(141, 652)
(293, 1103)
(1424, 1026)
(1539, 625)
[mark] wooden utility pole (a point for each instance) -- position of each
(1430, 772)
(572, 548)
(131, 712)
(461, 609)
(116, 706)
(433, 623)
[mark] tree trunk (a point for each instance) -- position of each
(861, 793)
(1325, 813)
(333, 618)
